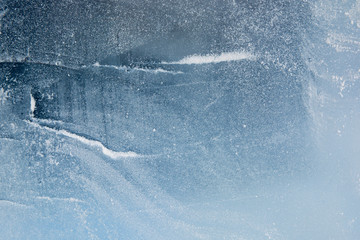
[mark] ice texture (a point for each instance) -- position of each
(162, 119)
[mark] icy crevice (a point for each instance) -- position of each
(8, 203)
(47, 121)
(126, 68)
(25, 59)
(92, 143)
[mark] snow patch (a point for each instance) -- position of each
(211, 58)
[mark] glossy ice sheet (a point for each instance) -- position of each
(179, 120)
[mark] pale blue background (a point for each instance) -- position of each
(262, 148)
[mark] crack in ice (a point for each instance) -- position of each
(149, 70)
(92, 143)
(74, 200)
(25, 60)
(12, 203)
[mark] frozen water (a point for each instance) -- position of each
(179, 119)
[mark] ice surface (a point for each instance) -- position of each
(179, 119)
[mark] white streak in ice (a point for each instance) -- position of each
(211, 58)
(47, 121)
(8, 203)
(24, 59)
(149, 70)
(60, 199)
(32, 105)
(108, 152)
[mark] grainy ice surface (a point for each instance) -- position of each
(164, 119)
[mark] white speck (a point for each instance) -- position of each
(50, 96)
(53, 161)
(244, 126)
(154, 130)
